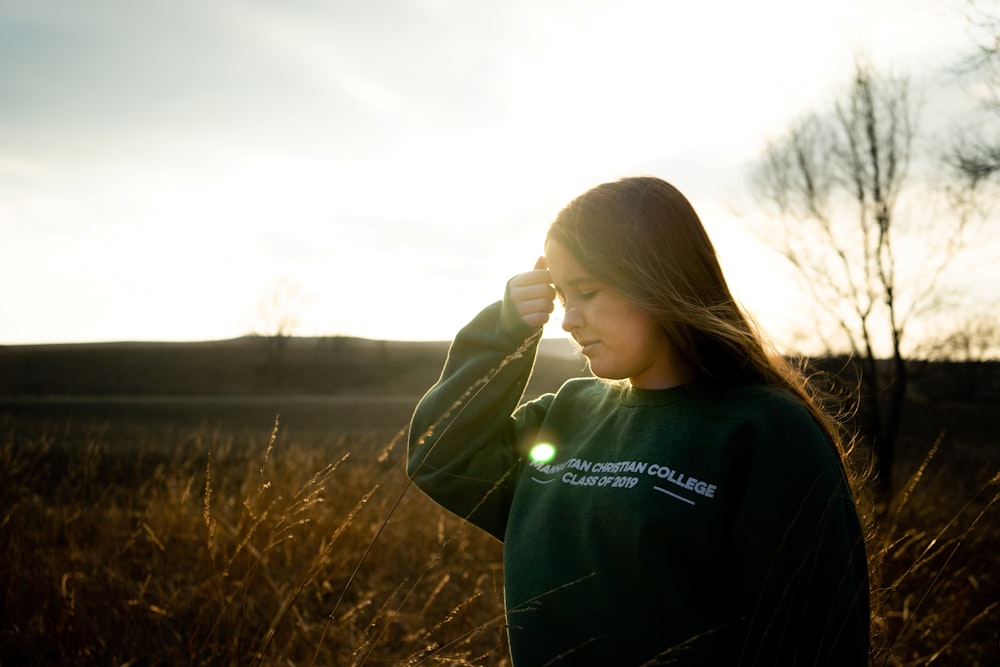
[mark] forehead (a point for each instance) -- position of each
(563, 266)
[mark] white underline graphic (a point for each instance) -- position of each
(547, 481)
(671, 493)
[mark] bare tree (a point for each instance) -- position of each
(835, 182)
(279, 318)
(976, 152)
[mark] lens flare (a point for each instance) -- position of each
(542, 452)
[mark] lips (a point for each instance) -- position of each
(587, 346)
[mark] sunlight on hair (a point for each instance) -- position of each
(542, 452)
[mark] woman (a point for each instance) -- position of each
(688, 505)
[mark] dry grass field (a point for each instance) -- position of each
(229, 545)
(197, 531)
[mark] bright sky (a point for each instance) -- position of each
(165, 166)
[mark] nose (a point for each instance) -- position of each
(570, 320)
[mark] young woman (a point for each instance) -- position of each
(688, 505)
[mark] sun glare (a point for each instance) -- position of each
(543, 452)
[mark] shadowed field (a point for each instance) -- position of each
(186, 529)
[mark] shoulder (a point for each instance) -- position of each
(588, 390)
(579, 396)
(777, 426)
(761, 404)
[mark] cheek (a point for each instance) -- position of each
(627, 316)
(638, 329)
(609, 318)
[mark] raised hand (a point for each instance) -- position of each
(532, 294)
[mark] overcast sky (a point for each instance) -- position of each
(165, 167)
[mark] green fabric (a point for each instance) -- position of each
(695, 525)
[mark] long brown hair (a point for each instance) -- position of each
(643, 238)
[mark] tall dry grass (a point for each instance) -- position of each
(230, 552)
(933, 561)
(228, 547)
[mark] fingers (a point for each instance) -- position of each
(532, 295)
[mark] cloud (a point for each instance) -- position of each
(430, 139)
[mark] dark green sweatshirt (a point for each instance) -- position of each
(687, 526)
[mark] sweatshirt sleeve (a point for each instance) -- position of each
(464, 435)
(803, 573)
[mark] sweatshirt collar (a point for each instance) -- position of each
(634, 396)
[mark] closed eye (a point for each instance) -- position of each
(579, 296)
(578, 290)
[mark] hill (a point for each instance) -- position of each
(246, 366)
